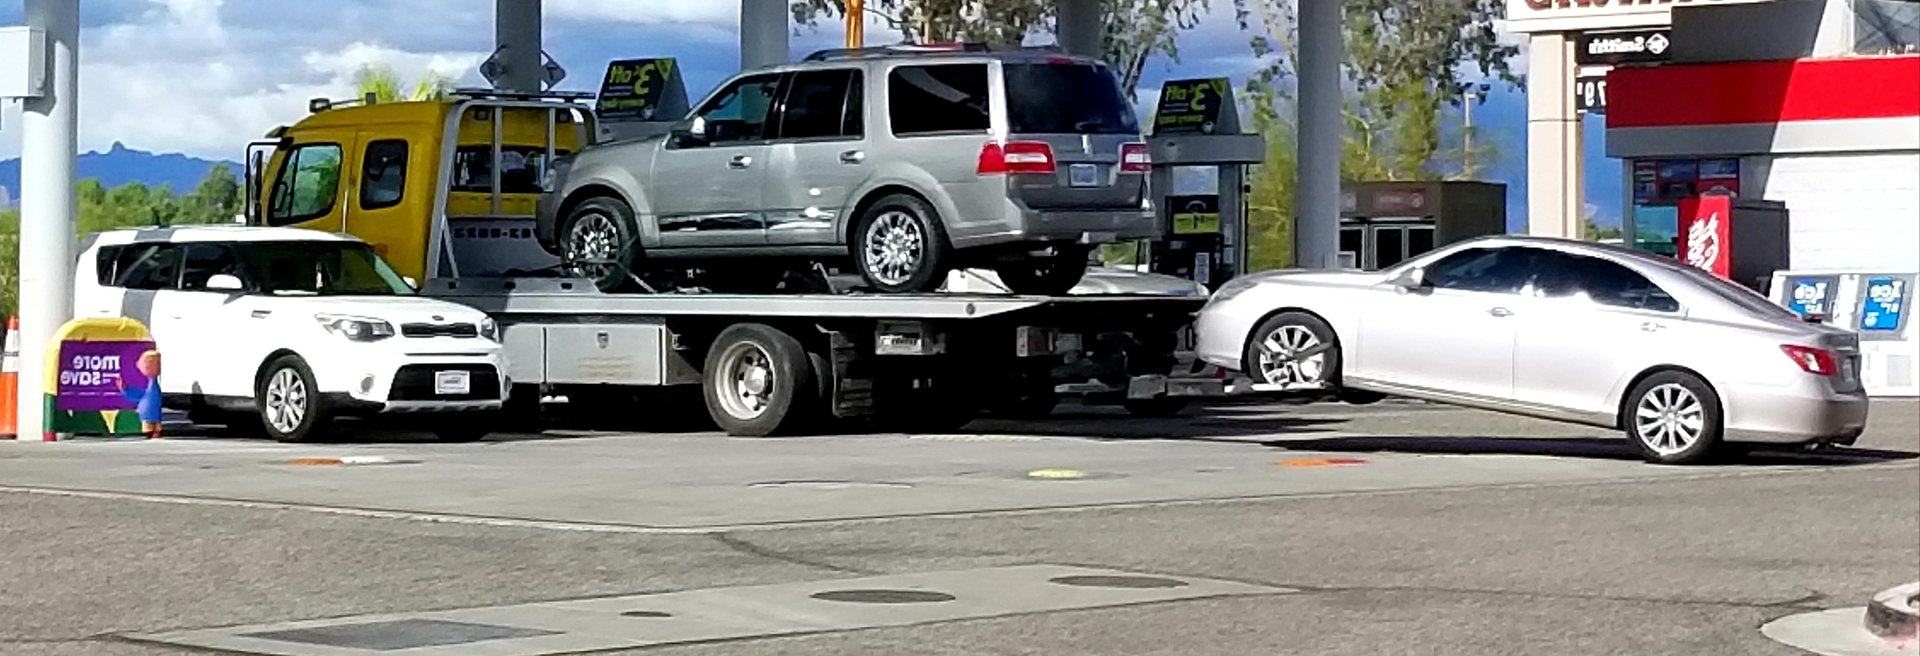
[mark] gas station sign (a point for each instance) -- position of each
(637, 89)
(1883, 304)
(1193, 107)
(1628, 47)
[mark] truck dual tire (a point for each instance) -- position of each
(757, 381)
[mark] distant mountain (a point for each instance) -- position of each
(120, 165)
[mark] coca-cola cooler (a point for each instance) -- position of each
(1740, 239)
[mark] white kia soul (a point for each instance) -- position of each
(294, 327)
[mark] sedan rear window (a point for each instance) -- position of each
(1067, 98)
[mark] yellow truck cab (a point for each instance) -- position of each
(404, 175)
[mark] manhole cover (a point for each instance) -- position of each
(883, 596)
(650, 614)
(399, 634)
(1127, 582)
(832, 485)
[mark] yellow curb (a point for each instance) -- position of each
(1319, 462)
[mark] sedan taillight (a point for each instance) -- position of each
(1816, 361)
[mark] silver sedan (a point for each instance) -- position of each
(1678, 359)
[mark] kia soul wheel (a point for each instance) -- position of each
(290, 404)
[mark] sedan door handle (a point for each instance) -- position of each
(740, 162)
(262, 314)
(853, 157)
(1500, 312)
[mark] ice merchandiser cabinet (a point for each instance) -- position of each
(1386, 223)
(1743, 240)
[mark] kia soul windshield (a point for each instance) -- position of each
(321, 269)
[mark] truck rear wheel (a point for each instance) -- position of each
(756, 380)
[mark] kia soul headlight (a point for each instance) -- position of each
(490, 329)
(359, 329)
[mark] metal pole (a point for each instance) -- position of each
(856, 24)
(49, 146)
(1079, 27)
(1316, 232)
(1466, 136)
(763, 33)
(516, 35)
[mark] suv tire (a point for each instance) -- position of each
(1051, 275)
(899, 246)
(599, 242)
(290, 404)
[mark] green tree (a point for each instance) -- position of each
(1407, 61)
(1136, 30)
(217, 198)
(384, 84)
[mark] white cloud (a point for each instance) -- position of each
(710, 12)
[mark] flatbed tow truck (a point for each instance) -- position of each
(764, 363)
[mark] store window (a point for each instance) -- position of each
(1660, 184)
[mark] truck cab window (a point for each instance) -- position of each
(383, 175)
(522, 168)
(307, 185)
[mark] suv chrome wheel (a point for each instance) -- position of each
(895, 247)
(593, 243)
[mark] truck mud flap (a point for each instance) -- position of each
(837, 371)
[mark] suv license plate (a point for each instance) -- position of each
(450, 383)
(1083, 175)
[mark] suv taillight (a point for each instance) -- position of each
(1134, 158)
(1819, 362)
(1018, 158)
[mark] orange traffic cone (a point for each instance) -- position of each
(10, 381)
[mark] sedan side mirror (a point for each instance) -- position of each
(1413, 279)
(224, 283)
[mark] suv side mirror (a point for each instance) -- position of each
(1413, 279)
(692, 132)
(224, 283)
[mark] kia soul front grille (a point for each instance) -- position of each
(440, 330)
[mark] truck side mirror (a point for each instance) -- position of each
(224, 283)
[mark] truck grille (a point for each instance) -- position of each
(439, 330)
(414, 382)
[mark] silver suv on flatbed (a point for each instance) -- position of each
(906, 162)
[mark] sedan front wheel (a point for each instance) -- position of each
(1294, 351)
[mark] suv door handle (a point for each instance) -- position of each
(1500, 312)
(853, 157)
(740, 162)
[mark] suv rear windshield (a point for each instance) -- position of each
(1067, 99)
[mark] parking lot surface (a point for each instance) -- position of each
(1400, 527)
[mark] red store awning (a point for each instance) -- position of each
(1862, 104)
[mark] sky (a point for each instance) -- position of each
(204, 77)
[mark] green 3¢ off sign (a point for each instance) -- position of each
(1192, 106)
(636, 88)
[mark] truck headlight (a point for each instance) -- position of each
(359, 329)
(490, 329)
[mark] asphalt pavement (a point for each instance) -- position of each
(1324, 529)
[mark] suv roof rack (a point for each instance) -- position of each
(924, 49)
(495, 94)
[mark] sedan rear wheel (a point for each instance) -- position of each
(1674, 418)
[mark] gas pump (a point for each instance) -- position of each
(1203, 235)
(1386, 223)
